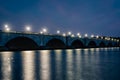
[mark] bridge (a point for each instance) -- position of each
(23, 41)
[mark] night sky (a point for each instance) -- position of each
(99, 17)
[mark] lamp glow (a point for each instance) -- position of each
(69, 33)
(64, 34)
(6, 26)
(72, 35)
(101, 37)
(86, 35)
(78, 34)
(117, 40)
(7, 29)
(41, 32)
(58, 32)
(28, 28)
(92, 36)
(97, 36)
(44, 30)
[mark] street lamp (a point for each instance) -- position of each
(41, 32)
(28, 28)
(72, 35)
(7, 29)
(86, 35)
(97, 36)
(69, 33)
(6, 26)
(101, 37)
(44, 30)
(92, 36)
(78, 34)
(64, 34)
(118, 40)
(58, 32)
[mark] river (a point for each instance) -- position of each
(68, 64)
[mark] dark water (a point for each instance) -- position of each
(70, 64)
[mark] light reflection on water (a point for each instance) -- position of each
(28, 65)
(70, 64)
(6, 65)
(58, 64)
(45, 65)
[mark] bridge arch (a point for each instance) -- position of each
(77, 44)
(55, 43)
(21, 43)
(92, 44)
(102, 44)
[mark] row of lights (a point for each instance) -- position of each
(28, 29)
(7, 28)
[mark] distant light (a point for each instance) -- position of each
(72, 35)
(58, 32)
(101, 37)
(28, 28)
(78, 34)
(6, 26)
(41, 32)
(112, 39)
(117, 40)
(97, 36)
(92, 36)
(86, 35)
(106, 38)
(44, 30)
(69, 33)
(7, 29)
(64, 34)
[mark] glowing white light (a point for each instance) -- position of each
(72, 35)
(44, 30)
(41, 32)
(101, 37)
(78, 34)
(7, 29)
(28, 28)
(86, 35)
(6, 26)
(92, 36)
(58, 32)
(69, 33)
(97, 36)
(64, 34)
(107, 38)
(117, 40)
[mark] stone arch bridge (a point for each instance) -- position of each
(21, 41)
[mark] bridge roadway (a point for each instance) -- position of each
(25, 41)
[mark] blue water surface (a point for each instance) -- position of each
(69, 64)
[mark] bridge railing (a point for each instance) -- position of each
(48, 34)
